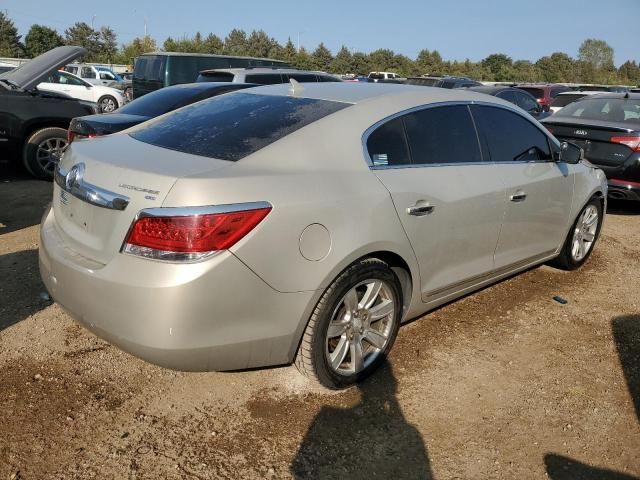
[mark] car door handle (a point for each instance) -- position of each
(420, 209)
(518, 197)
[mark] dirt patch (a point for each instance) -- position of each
(505, 383)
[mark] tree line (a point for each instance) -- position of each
(593, 65)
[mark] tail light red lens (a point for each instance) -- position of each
(158, 236)
(70, 136)
(631, 141)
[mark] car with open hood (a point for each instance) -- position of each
(305, 222)
(33, 123)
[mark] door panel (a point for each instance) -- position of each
(536, 224)
(457, 239)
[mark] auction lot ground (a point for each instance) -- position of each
(506, 383)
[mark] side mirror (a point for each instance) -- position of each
(571, 153)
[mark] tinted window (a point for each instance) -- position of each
(302, 77)
(605, 109)
(564, 100)
(507, 95)
(264, 78)
(526, 102)
(536, 92)
(327, 78)
(555, 91)
(149, 67)
(215, 77)
(387, 144)
(512, 137)
(442, 135)
(230, 127)
(86, 72)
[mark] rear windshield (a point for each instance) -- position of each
(230, 127)
(564, 100)
(536, 92)
(149, 67)
(161, 101)
(604, 109)
(215, 77)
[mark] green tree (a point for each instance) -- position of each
(382, 60)
(10, 45)
(303, 60)
(259, 44)
(288, 52)
(429, 63)
(342, 62)
(525, 71)
(629, 72)
(41, 39)
(83, 35)
(596, 52)
(321, 58)
(212, 44)
(558, 67)
(360, 63)
(500, 66)
(137, 47)
(235, 43)
(108, 44)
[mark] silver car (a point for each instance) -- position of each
(304, 224)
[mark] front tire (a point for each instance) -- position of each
(107, 104)
(353, 326)
(43, 151)
(582, 237)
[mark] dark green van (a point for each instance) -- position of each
(162, 69)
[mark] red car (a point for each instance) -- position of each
(544, 92)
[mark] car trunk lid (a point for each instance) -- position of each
(595, 139)
(120, 176)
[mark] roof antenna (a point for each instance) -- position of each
(295, 87)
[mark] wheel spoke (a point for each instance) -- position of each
(336, 329)
(340, 352)
(382, 310)
(588, 236)
(375, 338)
(351, 301)
(591, 219)
(373, 290)
(357, 356)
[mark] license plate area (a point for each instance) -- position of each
(76, 211)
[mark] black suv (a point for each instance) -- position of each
(33, 124)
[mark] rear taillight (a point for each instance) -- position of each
(70, 136)
(189, 237)
(631, 141)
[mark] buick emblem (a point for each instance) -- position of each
(581, 132)
(74, 177)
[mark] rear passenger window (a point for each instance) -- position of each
(442, 135)
(511, 137)
(387, 145)
(264, 78)
(303, 77)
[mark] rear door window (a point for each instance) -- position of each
(507, 95)
(387, 145)
(510, 136)
(442, 135)
(264, 78)
(527, 103)
(230, 127)
(303, 77)
(87, 72)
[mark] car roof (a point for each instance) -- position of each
(620, 95)
(204, 86)
(582, 92)
(490, 89)
(187, 54)
(360, 93)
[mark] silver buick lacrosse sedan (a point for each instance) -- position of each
(304, 224)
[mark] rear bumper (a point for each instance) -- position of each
(212, 315)
(622, 190)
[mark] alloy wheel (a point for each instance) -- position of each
(49, 153)
(585, 233)
(107, 105)
(360, 327)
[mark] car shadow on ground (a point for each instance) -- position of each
(626, 334)
(20, 287)
(621, 207)
(22, 200)
(369, 440)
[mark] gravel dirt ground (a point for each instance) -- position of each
(506, 383)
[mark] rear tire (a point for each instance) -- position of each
(582, 237)
(353, 326)
(43, 151)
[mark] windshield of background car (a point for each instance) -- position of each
(536, 92)
(604, 109)
(108, 70)
(161, 101)
(564, 100)
(230, 127)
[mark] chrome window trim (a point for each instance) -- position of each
(201, 210)
(515, 109)
(88, 192)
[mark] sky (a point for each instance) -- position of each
(458, 29)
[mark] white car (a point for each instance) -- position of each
(107, 98)
(565, 98)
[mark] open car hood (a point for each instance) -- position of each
(30, 74)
